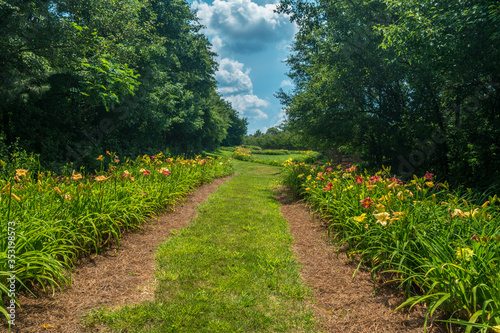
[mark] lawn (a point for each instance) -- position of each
(232, 270)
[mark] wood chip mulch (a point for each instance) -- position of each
(341, 303)
(124, 275)
(116, 277)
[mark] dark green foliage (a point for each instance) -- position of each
(236, 131)
(409, 84)
(275, 138)
(78, 78)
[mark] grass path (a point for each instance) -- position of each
(231, 270)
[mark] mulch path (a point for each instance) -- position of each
(116, 277)
(125, 275)
(341, 303)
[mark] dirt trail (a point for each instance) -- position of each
(116, 277)
(341, 303)
(125, 276)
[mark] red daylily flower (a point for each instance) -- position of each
(394, 179)
(329, 186)
(428, 176)
(366, 202)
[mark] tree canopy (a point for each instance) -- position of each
(409, 84)
(132, 76)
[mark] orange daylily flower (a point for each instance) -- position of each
(21, 172)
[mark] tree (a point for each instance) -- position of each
(451, 51)
(81, 77)
(236, 131)
(272, 131)
(346, 94)
(394, 81)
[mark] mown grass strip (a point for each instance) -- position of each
(232, 270)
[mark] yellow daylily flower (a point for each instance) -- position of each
(76, 176)
(21, 172)
(393, 185)
(398, 214)
(465, 253)
(383, 198)
(6, 187)
(472, 213)
(360, 218)
(382, 218)
(458, 212)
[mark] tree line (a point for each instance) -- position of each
(275, 138)
(79, 77)
(409, 84)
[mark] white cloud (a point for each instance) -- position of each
(248, 106)
(232, 78)
(244, 26)
(237, 88)
(286, 83)
(217, 44)
(281, 118)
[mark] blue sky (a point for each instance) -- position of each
(251, 42)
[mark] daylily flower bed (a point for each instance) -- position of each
(440, 248)
(53, 219)
(246, 154)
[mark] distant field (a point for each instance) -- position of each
(280, 158)
(250, 155)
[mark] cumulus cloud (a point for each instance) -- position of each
(217, 44)
(249, 105)
(286, 83)
(237, 88)
(243, 26)
(232, 78)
